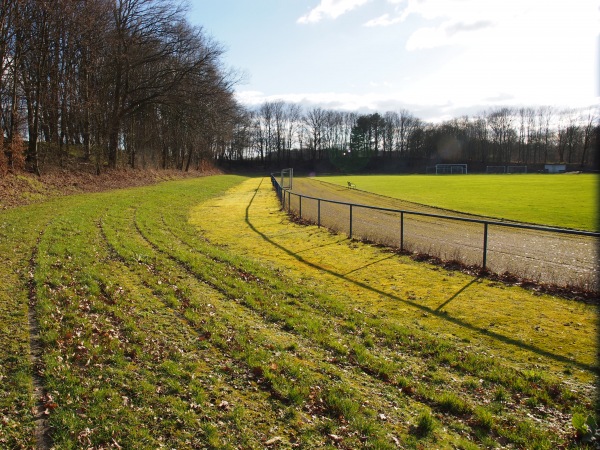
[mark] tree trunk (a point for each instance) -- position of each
(113, 145)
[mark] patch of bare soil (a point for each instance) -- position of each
(25, 188)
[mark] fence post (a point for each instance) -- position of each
(350, 221)
(319, 213)
(402, 231)
(300, 197)
(485, 240)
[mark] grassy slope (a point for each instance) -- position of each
(568, 201)
(153, 335)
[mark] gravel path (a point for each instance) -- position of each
(561, 259)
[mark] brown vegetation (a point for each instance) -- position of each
(25, 188)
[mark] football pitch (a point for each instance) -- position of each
(564, 200)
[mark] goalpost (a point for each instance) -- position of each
(516, 169)
(287, 178)
(450, 169)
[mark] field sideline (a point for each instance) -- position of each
(566, 200)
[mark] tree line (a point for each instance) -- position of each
(125, 81)
(132, 83)
(280, 133)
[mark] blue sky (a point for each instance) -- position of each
(436, 58)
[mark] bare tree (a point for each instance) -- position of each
(503, 135)
(315, 121)
(590, 123)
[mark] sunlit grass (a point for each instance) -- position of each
(564, 200)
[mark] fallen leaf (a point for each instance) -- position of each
(224, 405)
(274, 440)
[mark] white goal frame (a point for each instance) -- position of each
(287, 178)
(451, 169)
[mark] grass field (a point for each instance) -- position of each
(194, 314)
(566, 200)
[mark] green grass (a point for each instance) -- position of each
(168, 316)
(565, 200)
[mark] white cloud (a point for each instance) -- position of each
(330, 8)
(447, 33)
(341, 101)
(505, 53)
(383, 21)
(431, 108)
(470, 20)
(464, 10)
(534, 50)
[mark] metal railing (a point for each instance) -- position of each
(285, 196)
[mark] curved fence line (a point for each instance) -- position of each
(585, 277)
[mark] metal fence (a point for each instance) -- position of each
(556, 256)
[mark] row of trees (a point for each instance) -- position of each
(123, 79)
(278, 132)
(132, 82)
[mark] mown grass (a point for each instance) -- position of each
(193, 314)
(564, 200)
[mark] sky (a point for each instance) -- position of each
(438, 59)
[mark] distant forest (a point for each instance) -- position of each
(130, 83)
(281, 134)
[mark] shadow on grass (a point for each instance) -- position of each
(318, 247)
(435, 312)
(366, 265)
(464, 288)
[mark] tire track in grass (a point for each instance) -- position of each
(132, 256)
(21, 385)
(222, 339)
(154, 278)
(430, 399)
(331, 371)
(266, 368)
(42, 399)
(106, 386)
(207, 356)
(68, 262)
(114, 305)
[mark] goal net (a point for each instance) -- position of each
(516, 169)
(495, 169)
(450, 169)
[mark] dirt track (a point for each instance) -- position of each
(561, 259)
